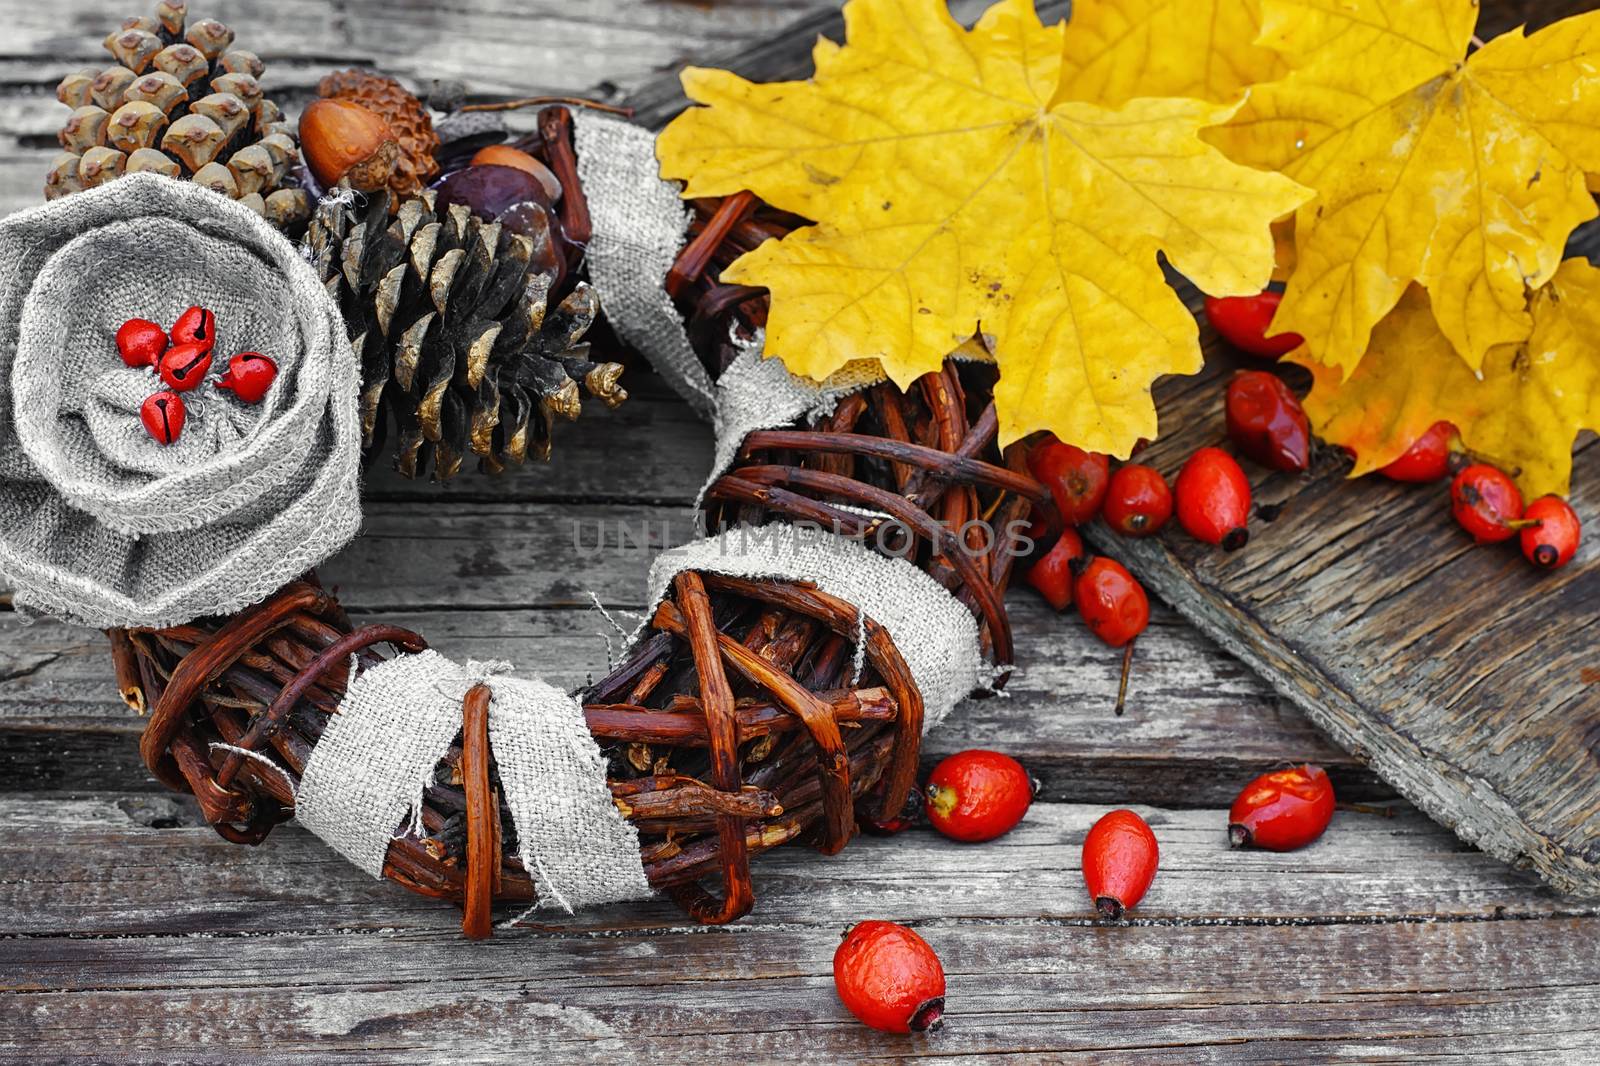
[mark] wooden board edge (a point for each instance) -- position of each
(1462, 802)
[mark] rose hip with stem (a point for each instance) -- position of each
(978, 795)
(1213, 499)
(1243, 322)
(1550, 537)
(1486, 503)
(1076, 479)
(1138, 501)
(1120, 856)
(1428, 458)
(889, 978)
(1115, 608)
(1051, 573)
(1282, 810)
(1266, 421)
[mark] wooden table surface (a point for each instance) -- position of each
(130, 933)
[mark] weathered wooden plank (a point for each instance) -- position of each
(168, 940)
(109, 864)
(1198, 724)
(1032, 987)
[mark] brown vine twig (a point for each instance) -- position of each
(542, 101)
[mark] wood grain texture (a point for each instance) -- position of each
(1383, 938)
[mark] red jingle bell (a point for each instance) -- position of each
(185, 366)
(162, 414)
(195, 326)
(249, 376)
(140, 342)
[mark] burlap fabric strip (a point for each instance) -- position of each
(935, 633)
(639, 225)
(99, 523)
(395, 723)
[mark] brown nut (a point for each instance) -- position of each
(239, 84)
(210, 36)
(134, 49)
(503, 155)
(152, 161)
(172, 14)
(182, 61)
(62, 176)
(225, 109)
(288, 207)
(217, 178)
(100, 165)
(238, 61)
(74, 88)
(158, 88)
(341, 139)
(84, 129)
(109, 85)
(254, 169)
(195, 140)
(135, 126)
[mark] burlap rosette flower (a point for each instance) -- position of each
(100, 523)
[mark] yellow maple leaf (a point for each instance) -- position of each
(1463, 174)
(951, 196)
(1532, 401)
(1116, 50)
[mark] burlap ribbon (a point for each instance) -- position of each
(101, 524)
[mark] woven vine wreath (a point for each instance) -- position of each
(778, 691)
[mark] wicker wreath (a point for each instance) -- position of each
(737, 724)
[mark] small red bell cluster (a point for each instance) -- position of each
(181, 357)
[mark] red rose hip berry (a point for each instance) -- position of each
(1551, 537)
(1111, 600)
(1120, 857)
(1051, 574)
(889, 978)
(140, 342)
(1428, 458)
(1243, 322)
(185, 366)
(249, 376)
(1486, 503)
(1076, 479)
(977, 795)
(163, 415)
(1213, 499)
(196, 326)
(1266, 421)
(1282, 810)
(1138, 501)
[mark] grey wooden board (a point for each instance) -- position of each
(127, 933)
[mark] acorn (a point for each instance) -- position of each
(341, 140)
